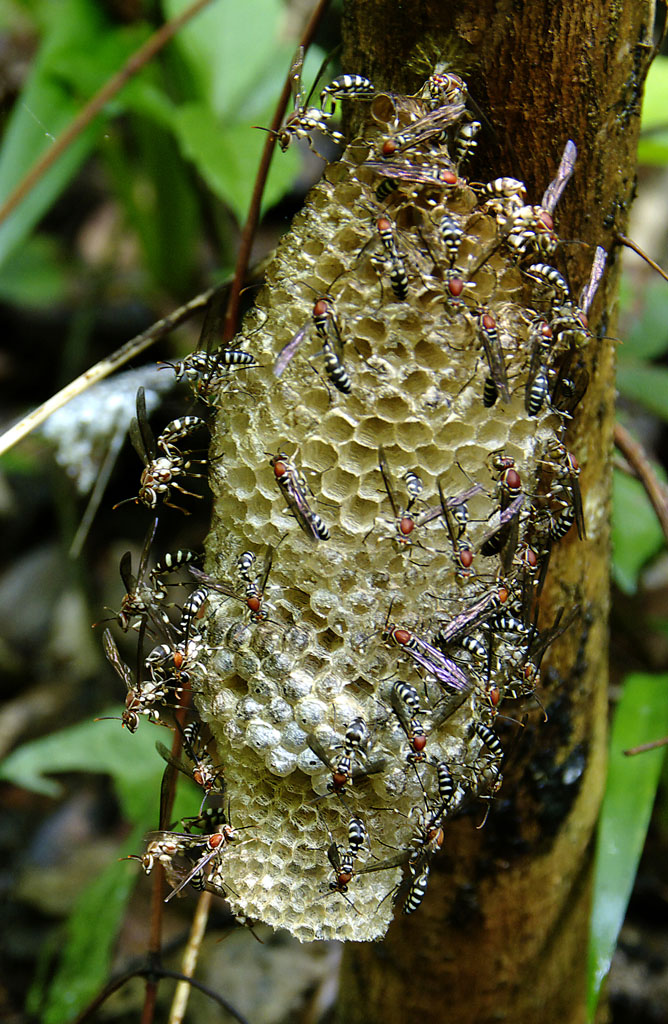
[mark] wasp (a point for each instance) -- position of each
(489, 739)
(143, 593)
(209, 368)
(163, 462)
(404, 520)
(489, 335)
(443, 88)
(406, 705)
(303, 120)
(393, 262)
(141, 698)
(355, 744)
(255, 586)
(466, 141)
(146, 590)
(424, 175)
(346, 87)
(327, 326)
(556, 187)
(430, 128)
(202, 770)
(538, 380)
(551, 278)
(451, 236)
(165, 846)
(426, 656)
(176, 659)
(293, 487)
(505, 536)
(457, 506)
(566, 470)
(589, 290)
(534, 225)
(477, 612)
(417, 890)
(456, 519)
(343, 860)
(503, 195)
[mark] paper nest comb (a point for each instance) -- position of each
(418, 369)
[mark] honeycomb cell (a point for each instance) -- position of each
(294, 738)
(281, 762)
(261, 736)
(374, 431)
(309, 713)
(297, 686)
(279, 711)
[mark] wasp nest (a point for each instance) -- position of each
(394, 464)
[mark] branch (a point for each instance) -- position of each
(190, 955)
(103, 369)
(630, 244)
(636, 456)
(166, 804)
(156, 972)
(644, 747)
(134, 63)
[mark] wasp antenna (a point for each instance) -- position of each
(124, 502)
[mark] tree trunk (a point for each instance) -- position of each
(503, 933)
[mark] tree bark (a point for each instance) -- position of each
(503, 933)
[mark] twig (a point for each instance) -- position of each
(182, 993)
(134, 63)
(103, 369)
(155, 940)
(250, 227)
(208, 992)
(156, 973)
(630, 244)
(636, 456)
(101, 481)
(154, 947)
(647, 746)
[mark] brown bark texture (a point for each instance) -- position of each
(503, 932)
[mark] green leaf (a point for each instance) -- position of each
(131, 761)
(227, 157)
(656, 90)
(159, 201)
(46, 106)
(90, 936)
(235, 54)
(647, 337)
(653, 149)
(90, 932)
(645, 384)
(86, 70)
(35, 276)
(641, 716)
(636, 533)
(653, 144)
(145, 97)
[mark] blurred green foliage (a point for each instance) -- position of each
(640, 717)
(88, 936)
(185, 118)
(653, 148)
(642, 712)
